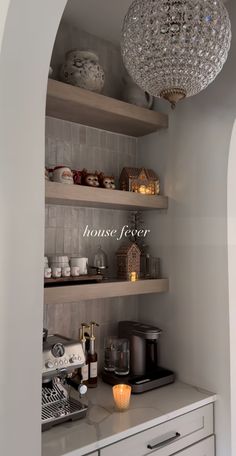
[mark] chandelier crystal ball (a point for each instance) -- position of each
(175, 48)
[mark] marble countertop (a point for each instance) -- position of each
(104, 426)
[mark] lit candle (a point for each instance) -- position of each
(133, 276)
(121, 395)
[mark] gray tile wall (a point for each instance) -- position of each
(66, 318)
(78, 147)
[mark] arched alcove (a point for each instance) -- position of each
(27, 33)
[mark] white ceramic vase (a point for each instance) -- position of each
(82, 69)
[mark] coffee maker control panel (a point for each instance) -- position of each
(61, 353)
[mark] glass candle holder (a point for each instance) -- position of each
(121, 395)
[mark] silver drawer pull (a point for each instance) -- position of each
(164, 442)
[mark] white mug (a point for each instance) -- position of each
(75, 271)
(47, 273)
(56, 272)
(65, 272)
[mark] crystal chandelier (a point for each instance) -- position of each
(175, 48)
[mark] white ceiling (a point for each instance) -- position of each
(102, 18)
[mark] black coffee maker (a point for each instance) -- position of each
(145, 374)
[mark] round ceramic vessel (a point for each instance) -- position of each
(81, 263)
(82, 69)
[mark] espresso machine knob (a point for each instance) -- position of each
(49, 364)
(73, 359)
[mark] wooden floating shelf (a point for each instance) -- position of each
(88, 108)
(72, 280)
(79, 195)
(74, 293)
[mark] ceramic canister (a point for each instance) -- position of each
(82, 69)
(80, 262)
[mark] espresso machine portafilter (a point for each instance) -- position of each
(61, 358)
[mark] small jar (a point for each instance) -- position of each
(56, 272)
(75, 271)
(47, 273)
(65, 271)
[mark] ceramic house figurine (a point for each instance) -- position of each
(128, 260)
(140, 180)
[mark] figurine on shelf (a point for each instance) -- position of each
(140, 180)
(77, 176)
(63, 175)
(89, 179)
(107, 181)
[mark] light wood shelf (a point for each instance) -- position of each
(79, 195)
(88, 108)
(75, 293)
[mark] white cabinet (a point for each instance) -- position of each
(204, 448)
(169, 438)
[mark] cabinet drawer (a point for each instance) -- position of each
(167, 438)
(204, 448)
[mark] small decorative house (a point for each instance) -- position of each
(128, 260)
(140, 180)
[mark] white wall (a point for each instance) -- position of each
(192, 158)
(232, 282)
(24, 60)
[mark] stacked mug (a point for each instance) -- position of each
(60, 266)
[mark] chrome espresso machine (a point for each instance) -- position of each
(61, 359)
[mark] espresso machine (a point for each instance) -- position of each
(145, 373)
(60, 361)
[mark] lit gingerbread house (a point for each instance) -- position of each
(128, 260)
(140, 180)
